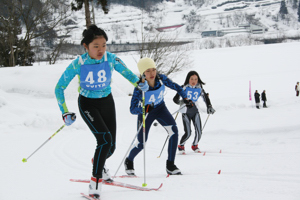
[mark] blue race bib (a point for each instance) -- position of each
(155, 96)
(95, 77)
(193, 93)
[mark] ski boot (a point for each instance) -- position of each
(196, 149)
(172, 169)
(181, 149)
(129, 167)
(106, 175)
(95, 187)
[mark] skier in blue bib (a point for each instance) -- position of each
(193, 88)
(157, 110)
(96, 104)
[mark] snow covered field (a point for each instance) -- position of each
(260, 148)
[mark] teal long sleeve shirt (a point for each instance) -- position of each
(74, 69)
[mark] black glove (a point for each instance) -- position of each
(149, 108)
(176, 99)
(189, 103)
(210, 110)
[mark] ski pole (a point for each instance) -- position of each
(205, 122)
(144, 140)
(176, 116)
(129, 147)
(168, 135)
(25, 159)
(178, 109)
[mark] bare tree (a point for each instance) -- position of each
(229, 20)
(238, 17)
(168, 56)
(209, 44)
(221, 17)
(58, 47)
(39, 18)
(166, 53)
(118, 30)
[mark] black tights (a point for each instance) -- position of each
(100, 116)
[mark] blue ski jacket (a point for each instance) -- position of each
(136, 106)
(74, 69)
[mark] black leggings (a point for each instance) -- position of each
(100, 116)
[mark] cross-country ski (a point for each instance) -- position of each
(120, 184)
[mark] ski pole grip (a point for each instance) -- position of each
(143, 78)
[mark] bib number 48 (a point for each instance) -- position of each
(101, 77)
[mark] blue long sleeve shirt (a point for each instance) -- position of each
(136, 100)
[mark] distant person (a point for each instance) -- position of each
(297, 88)
(96, 104)
(264, 98)
(257, 99)
(193, 88)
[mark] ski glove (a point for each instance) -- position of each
(143, 86)
(69, 118)
(210, 110)
(189, 103)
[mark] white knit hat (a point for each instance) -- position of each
(145, 63)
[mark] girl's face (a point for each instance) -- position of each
(193, 80)
(96, 48)
(150, 74)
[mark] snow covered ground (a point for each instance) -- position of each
(260, 149)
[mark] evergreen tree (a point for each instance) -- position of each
(283, 9)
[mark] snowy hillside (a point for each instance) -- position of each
(260, 149)
(123, 23)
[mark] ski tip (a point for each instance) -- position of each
(156, 189)
(160, 186)
(89, 197)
